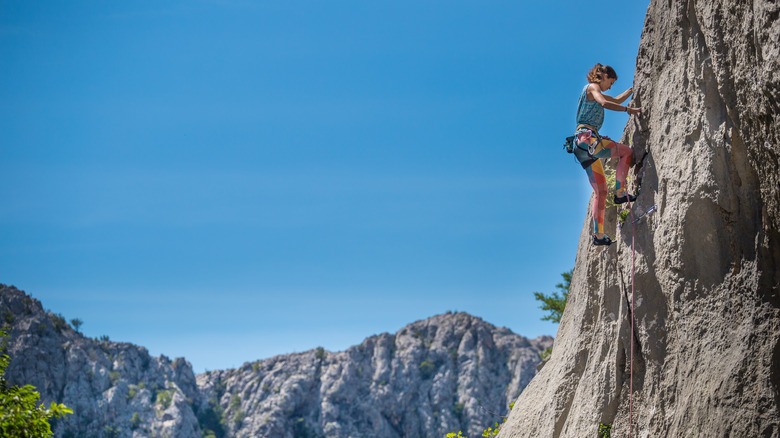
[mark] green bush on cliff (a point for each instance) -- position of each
(212, 420)
(555, 303)
(485, 433)
(427, 369)
(19, 415)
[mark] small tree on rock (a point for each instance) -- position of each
(76, 323)
(555, 303)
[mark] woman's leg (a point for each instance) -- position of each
(624, 154)
(599, 183)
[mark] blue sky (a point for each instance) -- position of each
(232, 180)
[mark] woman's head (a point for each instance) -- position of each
(601, 72)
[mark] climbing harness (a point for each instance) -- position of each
(594, 132)
(584, 154)
(571, 141)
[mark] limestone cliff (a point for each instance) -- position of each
(706, 352)
(434, 376)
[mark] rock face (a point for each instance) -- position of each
(707, 307)
(434, 376)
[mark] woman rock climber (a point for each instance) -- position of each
(590, 147)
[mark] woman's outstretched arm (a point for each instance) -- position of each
(621, 97)
(611, 103)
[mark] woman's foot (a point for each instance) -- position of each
(603, 240)
(621, 198)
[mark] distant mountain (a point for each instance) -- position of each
(442, 374)
(115, 389)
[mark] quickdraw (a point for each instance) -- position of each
(652, 209)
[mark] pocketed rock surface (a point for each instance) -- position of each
(707, 307)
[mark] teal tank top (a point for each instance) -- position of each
(589, 112)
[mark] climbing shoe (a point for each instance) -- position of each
(625, 198)
(603, 241)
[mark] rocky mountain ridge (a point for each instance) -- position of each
(115, 389)
(433, 376)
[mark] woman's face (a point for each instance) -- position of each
(606, 84)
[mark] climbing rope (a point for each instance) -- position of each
(631, 365)
(492, 413)
(633, 333)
